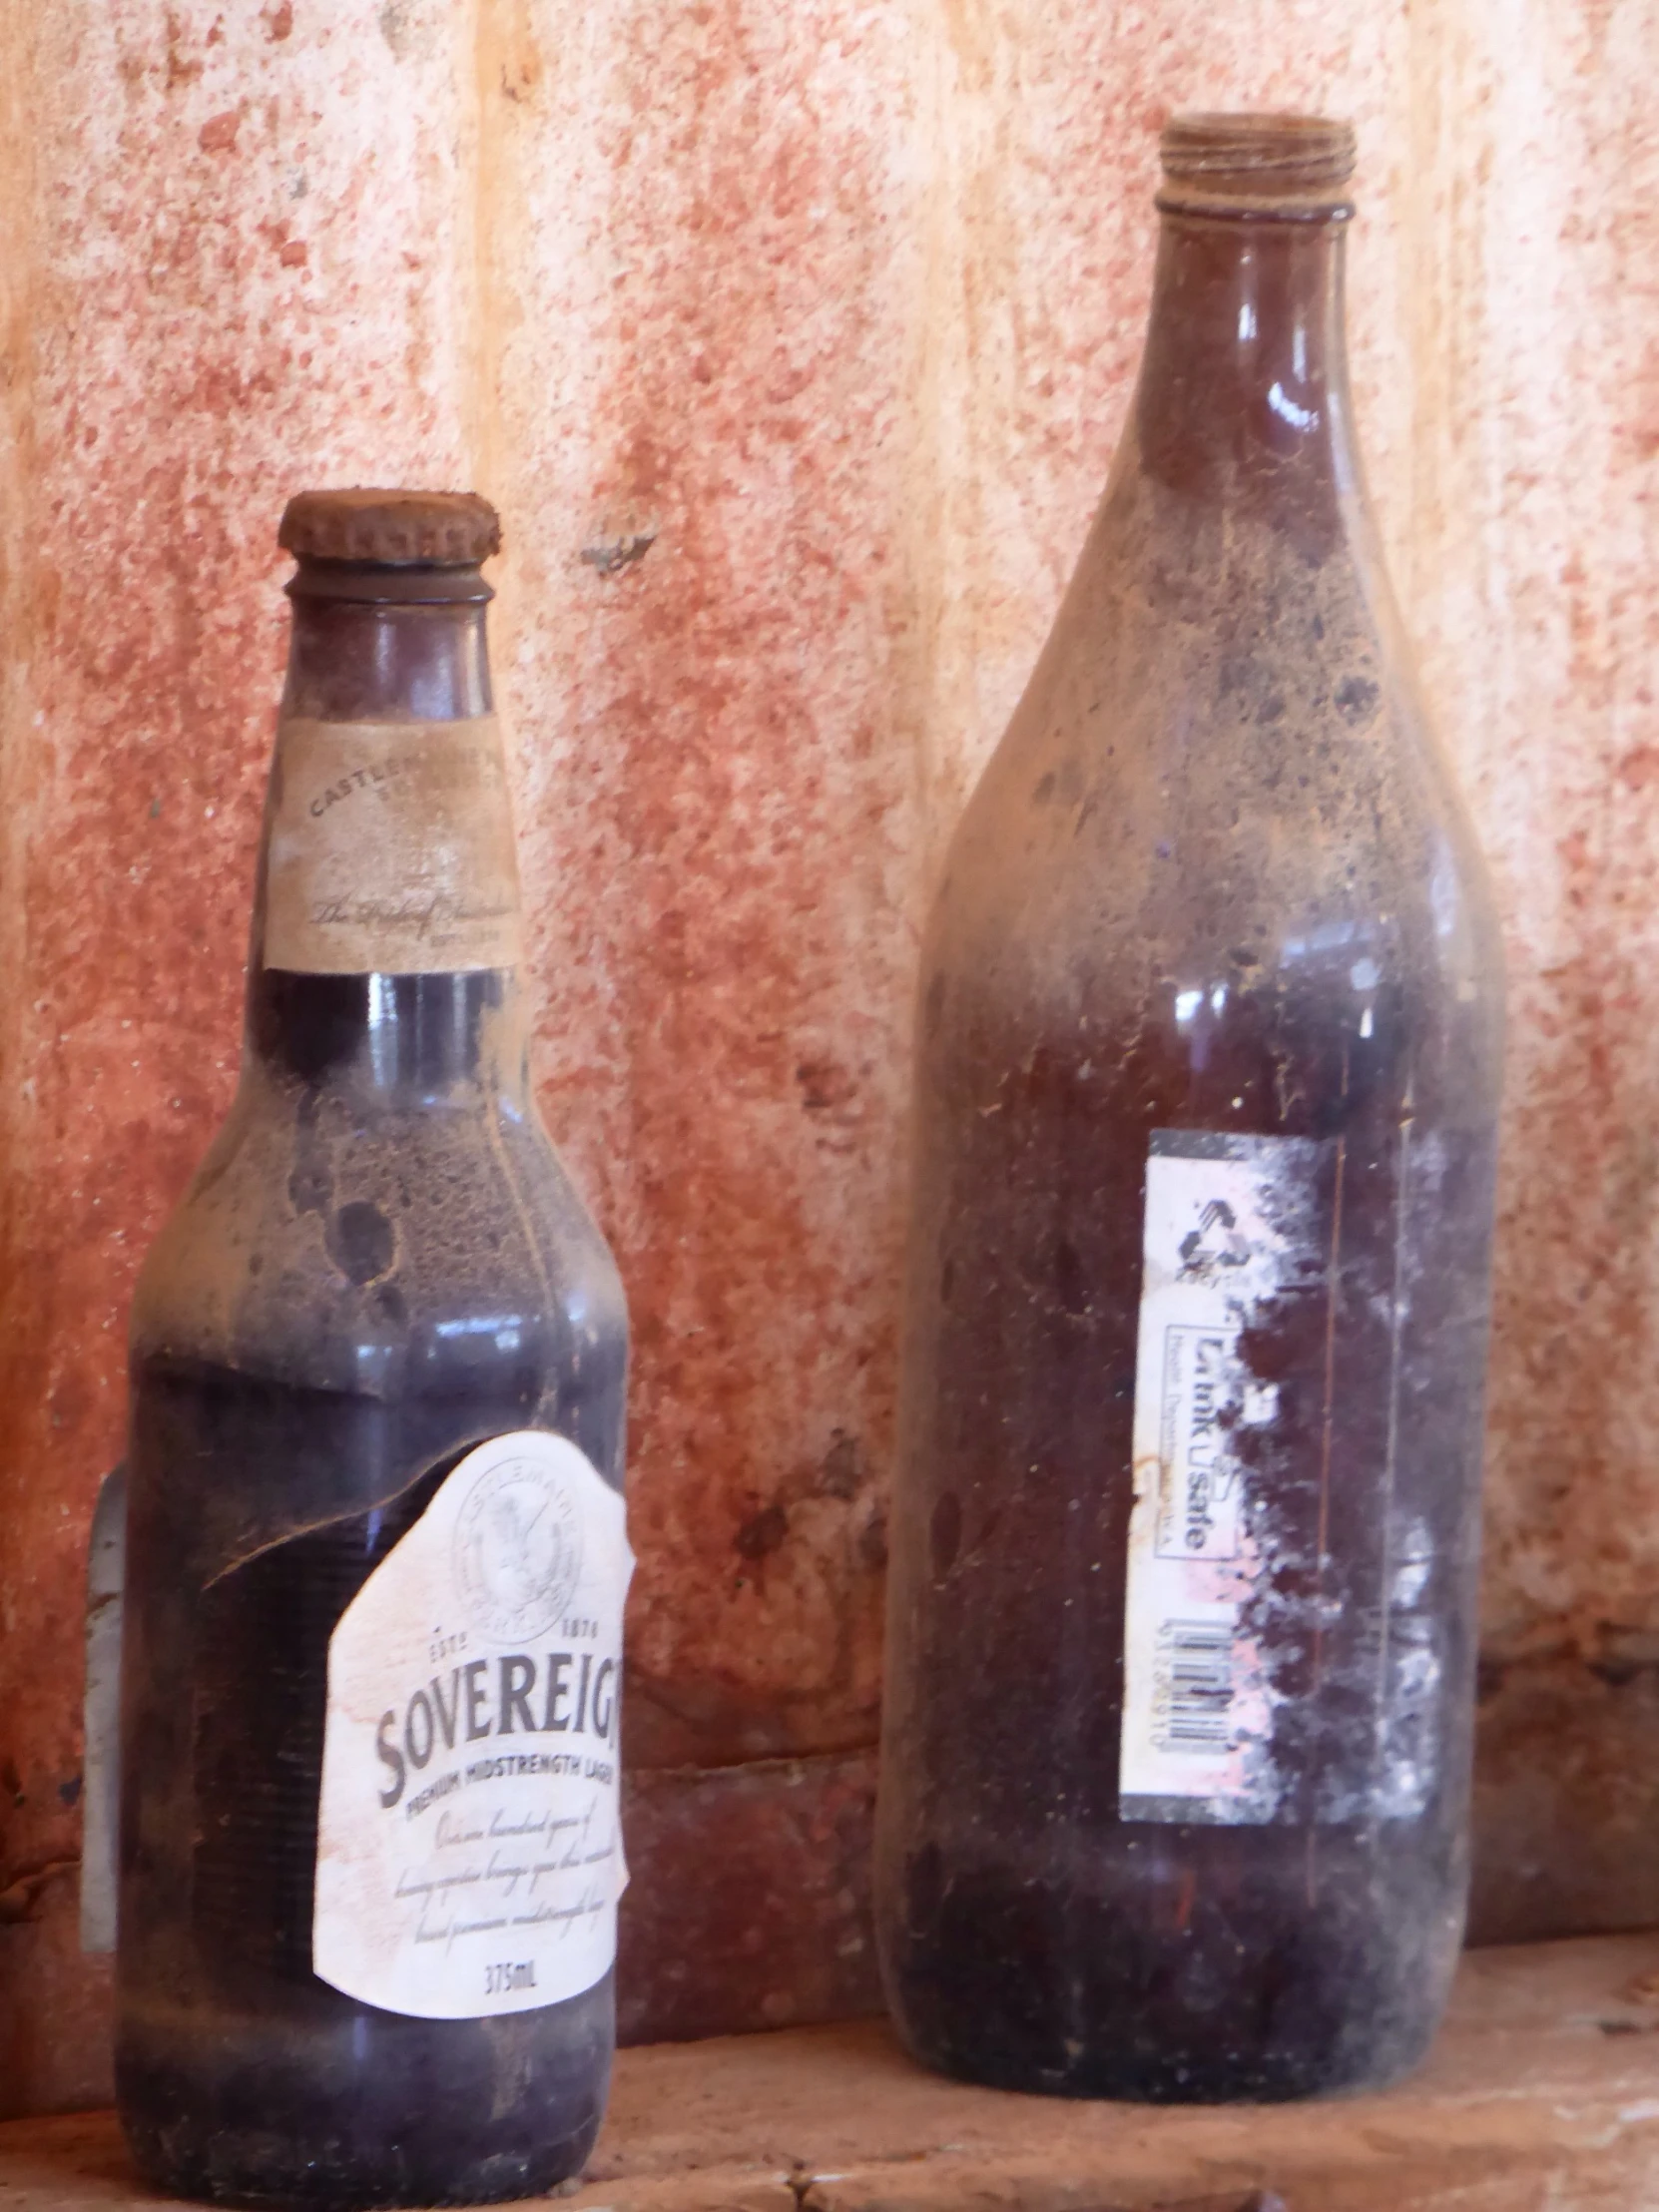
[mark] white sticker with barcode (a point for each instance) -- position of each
(1229, 1222)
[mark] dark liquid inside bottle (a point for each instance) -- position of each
(380, 1265)
(1210, 889)
(1039, 1941)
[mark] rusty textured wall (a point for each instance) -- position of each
(792, 341)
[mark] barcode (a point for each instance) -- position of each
(1196, 1670)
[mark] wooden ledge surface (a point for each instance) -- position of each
(1543, 2096)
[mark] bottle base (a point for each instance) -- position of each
(1120, 2077)
(331, 2107)
(1255, 1996)
(235, 2169)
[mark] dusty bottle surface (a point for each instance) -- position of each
(370, 1857)
(1181, 1638)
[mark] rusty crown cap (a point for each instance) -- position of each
(1260, 155)
(424, 529)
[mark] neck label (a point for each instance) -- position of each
(391, 849)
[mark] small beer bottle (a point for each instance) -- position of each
(370, 1849)
(1174, 1788)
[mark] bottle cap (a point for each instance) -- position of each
(1296, 164)
(392, 529)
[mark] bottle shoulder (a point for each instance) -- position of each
(347, 1241)
(1219, 807)
(1222, 757)
(1083, 855)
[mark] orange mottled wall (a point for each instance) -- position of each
(791, 343)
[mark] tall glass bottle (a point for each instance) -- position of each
(369, 1857)
(1176, 1750)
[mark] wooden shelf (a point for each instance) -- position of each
(1543, 2096)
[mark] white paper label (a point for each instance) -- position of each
(469, 1848)
(391, 849)
(1229, 1221)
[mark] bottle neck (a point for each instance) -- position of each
(1242, 397)
(356, 661)
(406, 1034)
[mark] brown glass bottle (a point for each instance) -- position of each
(379, 1268)
(1181, 1638)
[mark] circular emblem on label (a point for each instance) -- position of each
(517, 1549)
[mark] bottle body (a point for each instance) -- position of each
(379, 1273)
(1184, 1541)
